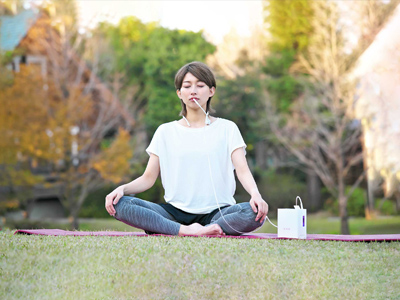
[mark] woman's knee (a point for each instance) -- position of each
(250, 216)
(248, 210)
(243, 222)
(123, 203)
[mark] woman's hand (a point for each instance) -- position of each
(260, 207)
(113, 198)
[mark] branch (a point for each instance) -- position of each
(356, 184)
(353, 161)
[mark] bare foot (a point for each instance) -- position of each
(197, 229)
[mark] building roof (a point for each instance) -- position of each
(14, 28)
(385, 42)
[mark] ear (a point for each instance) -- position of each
(178, 92)
(212, 91)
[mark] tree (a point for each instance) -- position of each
(239, 99)
(22, 134)
(318, 129)
(73, 120)
(10, 7)
(289, 27)
(148, 56)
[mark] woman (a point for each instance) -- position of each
(196, 157)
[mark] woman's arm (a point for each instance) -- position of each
(246, 179)
(141, 184)
(147, 180)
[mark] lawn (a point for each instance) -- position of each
(44, 267)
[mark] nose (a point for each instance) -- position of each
(194, 90)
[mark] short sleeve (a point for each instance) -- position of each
(236, 140)
(155, 143)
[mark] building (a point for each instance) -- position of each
(377, 105)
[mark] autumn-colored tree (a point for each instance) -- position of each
(21, 121)
(42, 132)
(10, 7)
(67, 120)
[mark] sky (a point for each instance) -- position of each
(216, 18)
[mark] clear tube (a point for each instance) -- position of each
(212, 180)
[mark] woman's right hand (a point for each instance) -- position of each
(113, 198)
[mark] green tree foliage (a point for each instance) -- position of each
(239, 100)
(289, 26)
(283, 86)
(148, 56)
(355, 205)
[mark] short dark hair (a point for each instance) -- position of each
(203, 73)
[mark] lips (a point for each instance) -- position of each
(192, 99)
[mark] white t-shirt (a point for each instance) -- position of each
(184, 166)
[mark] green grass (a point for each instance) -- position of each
(382, 225)
(38, 267)
(45, 267)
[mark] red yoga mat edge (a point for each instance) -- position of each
(321, 237)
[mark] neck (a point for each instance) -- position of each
(195, 119)
(195, 116)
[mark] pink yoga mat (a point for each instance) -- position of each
(321, 237)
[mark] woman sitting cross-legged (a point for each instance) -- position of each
(196, 157)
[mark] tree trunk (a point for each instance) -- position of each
(313, 191)
(260, 151)
(397, 195)
(344, 219)
(73, 214)
(74, 222)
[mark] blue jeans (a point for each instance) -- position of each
(152, 217)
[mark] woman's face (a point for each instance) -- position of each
(192, 88)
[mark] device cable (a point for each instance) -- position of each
(208, 122)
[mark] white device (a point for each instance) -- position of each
(292, 222)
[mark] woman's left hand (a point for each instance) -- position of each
(260, 207)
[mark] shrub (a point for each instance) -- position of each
(279, 190)
(355, 203)
(155, 194)
(9, 205)
(385, 207)
(94, 205)
(30, 224)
